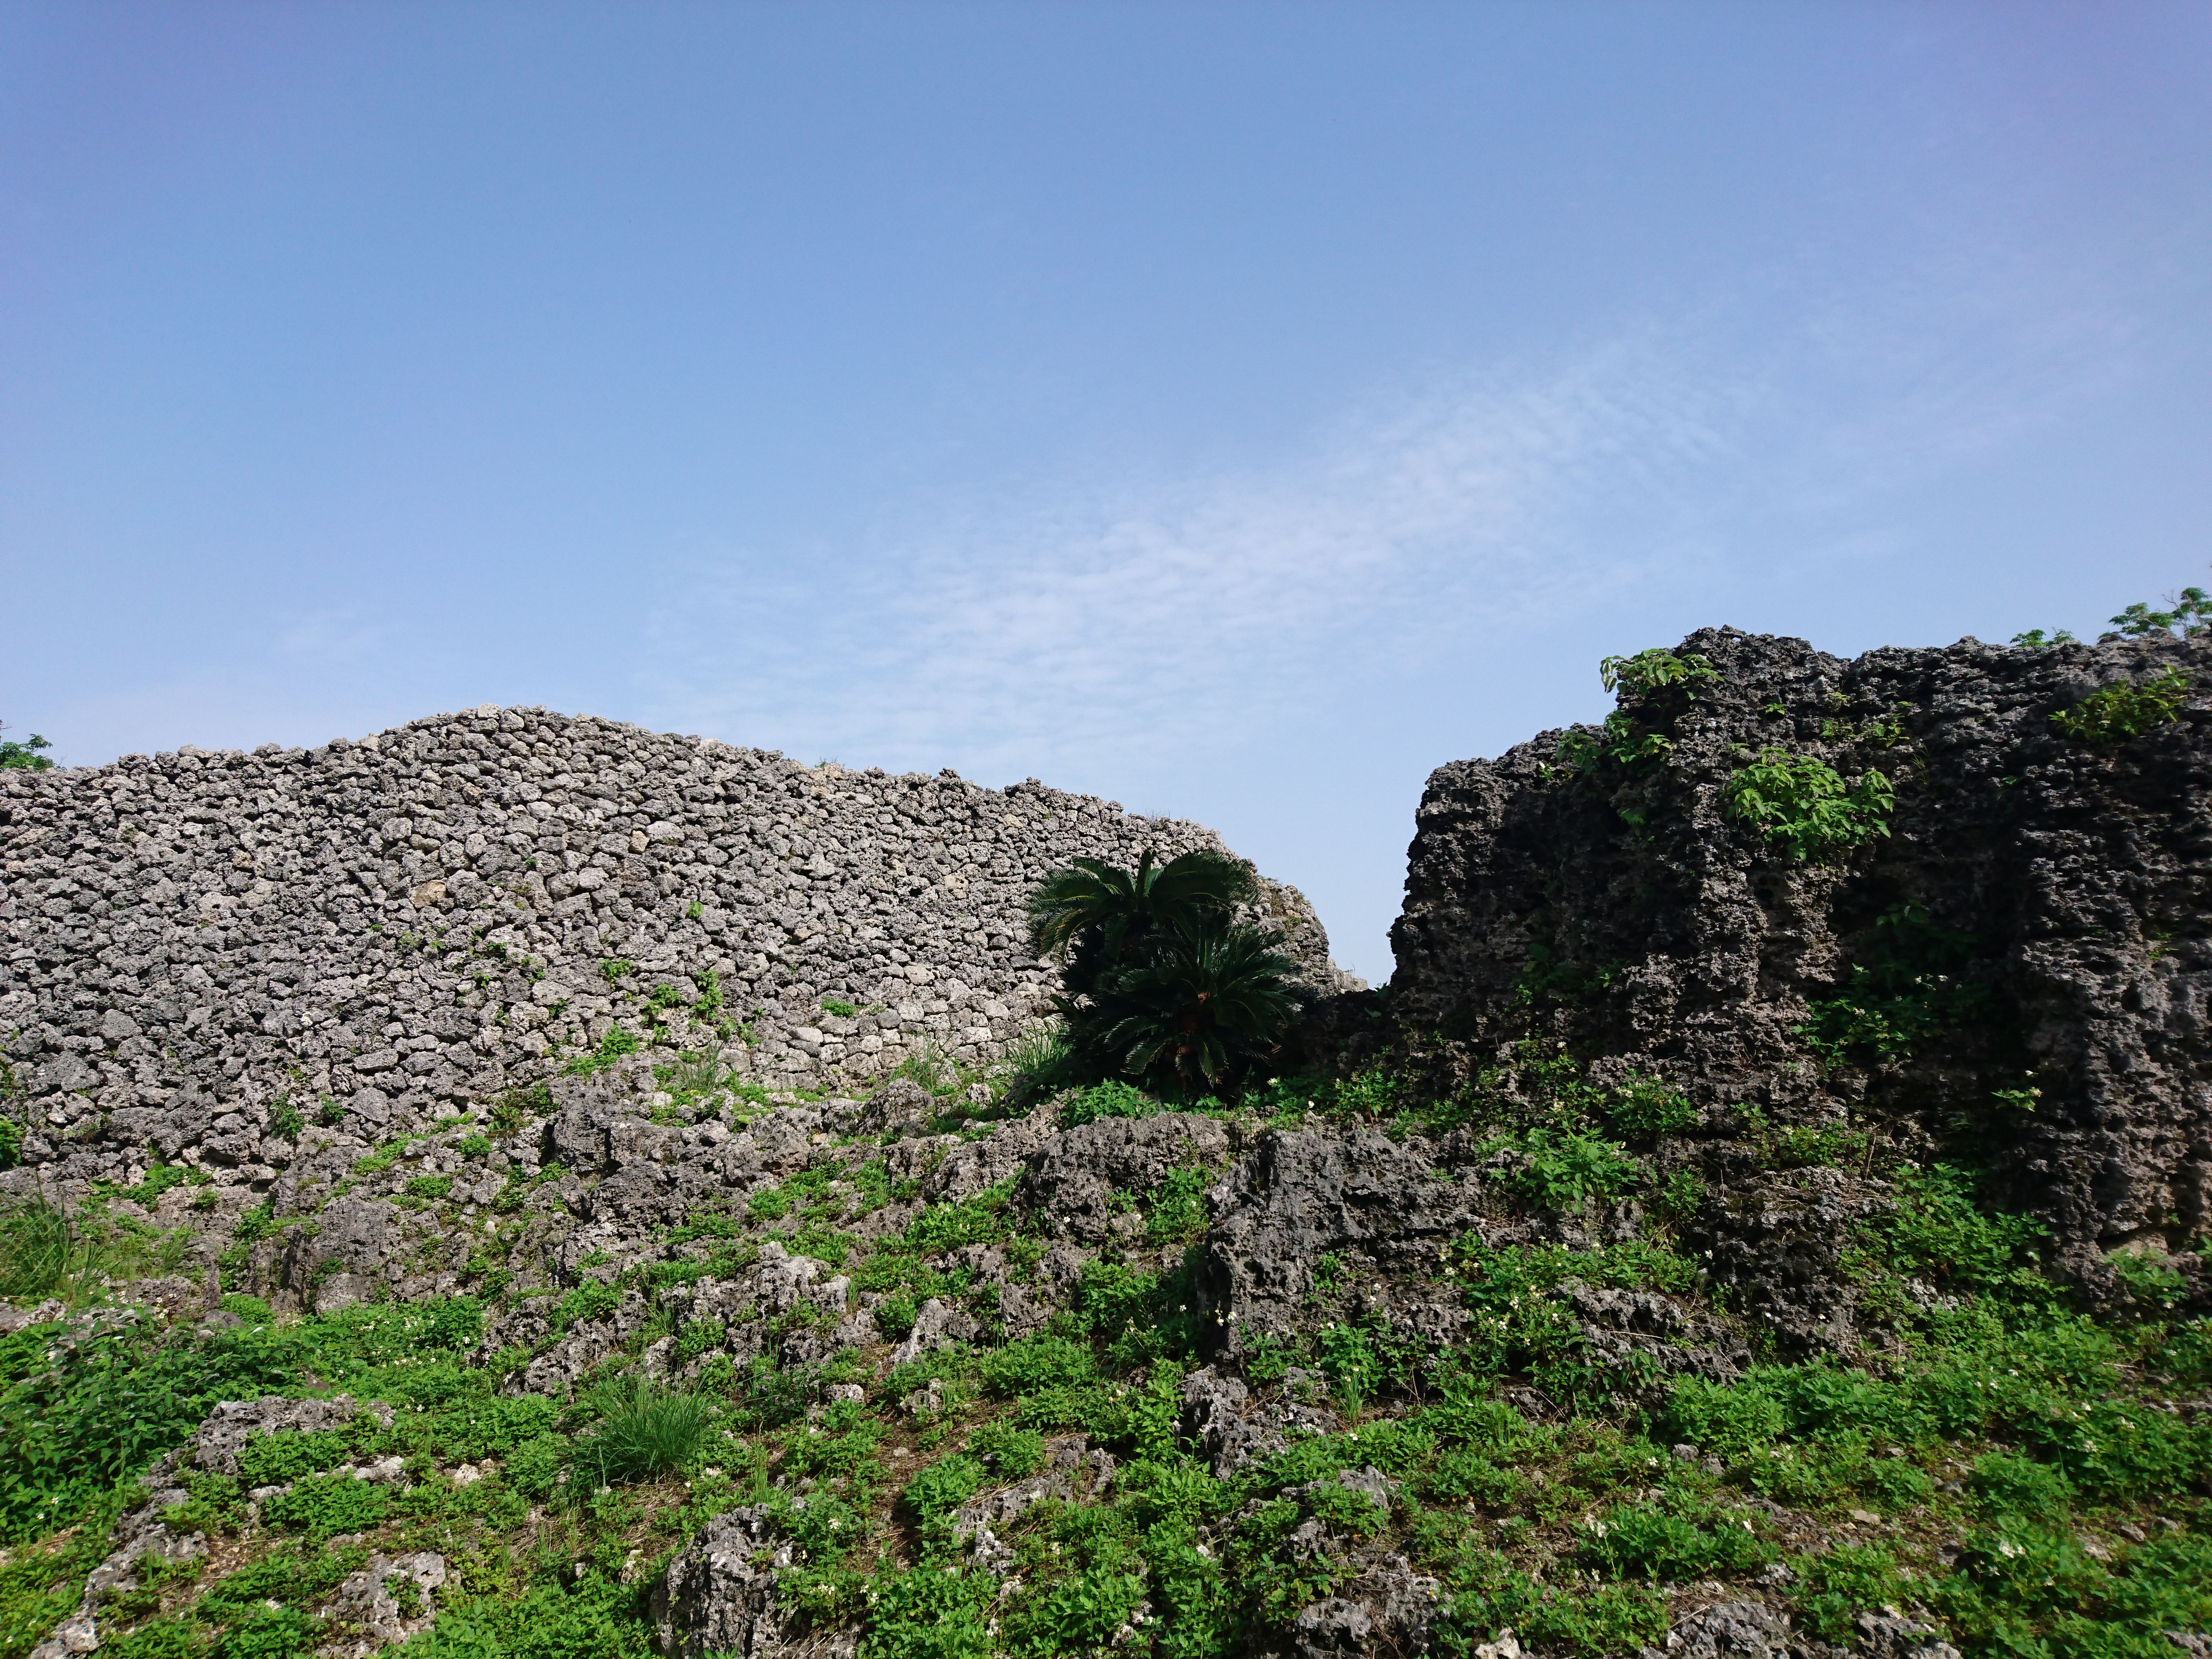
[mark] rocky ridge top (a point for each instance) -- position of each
(1622, 1281)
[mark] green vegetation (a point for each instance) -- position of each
(1805, 805)
(644, 1431)
(515, 1107)
(2190, 612)
(2121, 712)
(24, 757)
(1035, 1061)
(1620, 741)
(1657, 669)
(1198, 1012)
(618, 1041)
(1996, 1431)
(1912, 982)
(1111, 1098)
(160, 1177)
(46, 1250)
(1533, 1087)
(1100, 918)
(1655, 687)
(1161, 984)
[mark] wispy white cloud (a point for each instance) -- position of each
(331, 635)
(1101, 619)
(1087, 623)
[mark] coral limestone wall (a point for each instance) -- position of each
(377, 933)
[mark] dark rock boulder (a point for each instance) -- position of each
(1074, 1180)
(718, 1594)
(1302, 1195)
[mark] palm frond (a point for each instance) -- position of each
(1210, 997)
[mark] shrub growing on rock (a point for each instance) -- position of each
(1805, 805)
(1191, 1020)
(1162, 984)
(2120, 712)
(24, 757)
(1101, 918)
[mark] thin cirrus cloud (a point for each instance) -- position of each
(1078, 629)
(1088, 625)
(331, 636)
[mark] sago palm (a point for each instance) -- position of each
(1207, 1000)
(1102, 917)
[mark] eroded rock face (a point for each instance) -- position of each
(1731, 1629)
(370, 935)
(387, 1602)
(1301, 1196)
(1888, 1635)
(2065, 881)
(1075, 1176)
(718, 1596)
(1230, 1427)
(1388, 1611)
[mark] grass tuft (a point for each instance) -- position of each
(645, 1430)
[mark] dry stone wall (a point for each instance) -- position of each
(375, 935)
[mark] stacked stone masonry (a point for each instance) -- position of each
(378, 933)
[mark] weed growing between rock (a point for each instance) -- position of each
(1560, 1436)
(2121, 712)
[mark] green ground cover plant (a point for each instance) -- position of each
(47, 1249)
(1804, 803)
(2113, 715)
(1578, 1523)
(1993, 1433)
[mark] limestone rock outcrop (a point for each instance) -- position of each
(2038, 904)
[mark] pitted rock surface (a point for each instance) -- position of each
(388, 1600)
(1730, 1630)
(1387, 1612)
(1888, 1635)
(376, 934)
(1231, 1429)
(1075, 1178)
(1302, 1195)
(718, 1596)
(2078, 872)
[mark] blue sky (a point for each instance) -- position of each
(1236, 410)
